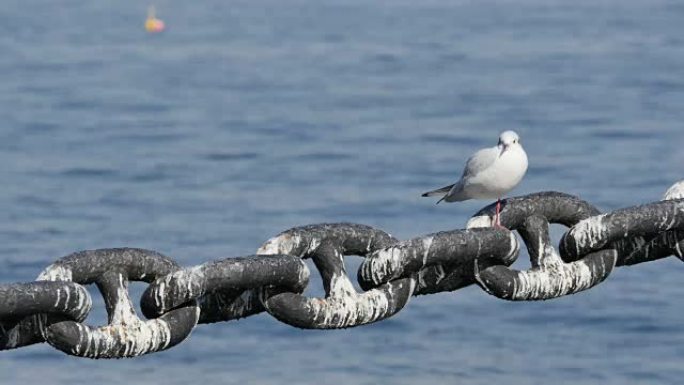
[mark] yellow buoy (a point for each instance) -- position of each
(152, 24)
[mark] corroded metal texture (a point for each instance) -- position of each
(220, 286)
(549, 277)
(595, 233)
(353, 238)
(647, 248)
(635, 250)
(25, 305)
(556, 207)
(676, 191)
(449, 254)
(343, 307)
(126, 335)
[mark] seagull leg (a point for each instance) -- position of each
(497, 218)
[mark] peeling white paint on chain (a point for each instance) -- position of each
(589, 233)
(82, 306)
(125, 336)
(678, 250)
(304, 274)
(370, 242)
(341, 286)
(85, 303)
(13, 337)
(123, 311)
(390, 262)
(427, 243)
(344, 307)
(676, 191)
(131, 339)
(281, 244)
(55, 272)
(480, 221)
(554, 279)
(289, 244)
(384, 264)
(186, 284)
(595, 232)
(514, 247)
(312, 246)
(58, 272)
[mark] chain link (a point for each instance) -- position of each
(52, 308)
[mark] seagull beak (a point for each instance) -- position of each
(503, 149)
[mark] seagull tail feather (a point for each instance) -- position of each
(444, 190)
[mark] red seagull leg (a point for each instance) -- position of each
(497, 222)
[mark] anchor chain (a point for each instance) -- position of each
(53, 308)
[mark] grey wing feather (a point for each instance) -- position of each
(441, 190)
(477, 163)
(480, 161)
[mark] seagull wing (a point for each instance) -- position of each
(477, 163)
(480, 161)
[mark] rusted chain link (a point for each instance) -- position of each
(52, 308)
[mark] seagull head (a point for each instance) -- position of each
(507, 139)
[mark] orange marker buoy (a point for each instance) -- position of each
(152, 24)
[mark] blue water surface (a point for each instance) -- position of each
(246, 118)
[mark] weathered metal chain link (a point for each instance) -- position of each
(52, 308)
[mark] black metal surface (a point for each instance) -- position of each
(556, 207)
(219, 286)
(24, 305)
(343, 307)
(454, 252)
(646, 221)
(125, 335)
(549, 276)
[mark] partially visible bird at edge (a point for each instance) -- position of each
(489, 173)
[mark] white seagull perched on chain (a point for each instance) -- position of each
(489, 173)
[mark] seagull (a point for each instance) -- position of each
(489, 173)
